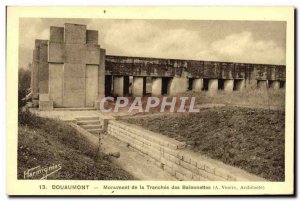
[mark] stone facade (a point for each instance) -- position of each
(69, 67)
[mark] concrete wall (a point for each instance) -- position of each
(75, 33)
(172, 157)
(157, 67)
(177, 85)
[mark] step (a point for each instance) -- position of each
(95, 131)
(89, 122)
(94, 126)
(86, 118)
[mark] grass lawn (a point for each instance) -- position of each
(251, 139)
(45, 142)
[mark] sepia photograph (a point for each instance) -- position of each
(202, 101)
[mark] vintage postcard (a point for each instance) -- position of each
(150, 101)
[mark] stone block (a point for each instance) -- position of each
(92, 37)
(74, 70)
(189, 166)
(75, 33)
(169, 170)
(43, 68)
(45, 105)
(56, 34)
(210, 177)
(74, 83)
(74, 98)
(39, 42)
(43, 86)
(209, 169)
(179, 176)
(44, 97)
(35, 80)
(221, 173)
(56, 52)
(93, 55)
(75, 53)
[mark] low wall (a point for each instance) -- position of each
(172, 156)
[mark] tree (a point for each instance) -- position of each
(23, 85)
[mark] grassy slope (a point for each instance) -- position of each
(46, 142)
(252, 139)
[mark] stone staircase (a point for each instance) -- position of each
(91, 124)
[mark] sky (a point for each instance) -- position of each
(232, 41)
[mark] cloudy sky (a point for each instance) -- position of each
(236, 41)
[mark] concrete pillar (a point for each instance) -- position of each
(43, 67)
(177, 85)
(138, 86)
(101, 75)
(228, 85)
(91, 87)
(239, 84)
(262, 84)
(197, 85)
(156, 86)
(56, 84)
(35, 75)
(275, 85)
(213, 85)
(118, 85)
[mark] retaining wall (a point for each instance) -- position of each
(172, 156)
